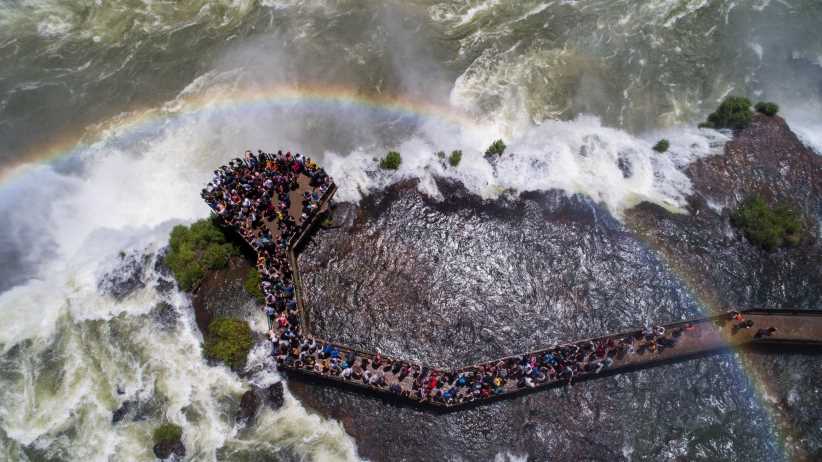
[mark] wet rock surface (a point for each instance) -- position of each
(711, 256)
(165, 315)
(127, 277)
(252, 399)
(170, 450)
(249, 404)
(134, 270)
(465, 279)
(121, 412)
(274, 397)
(221, 294)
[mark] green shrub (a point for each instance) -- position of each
(455, 158)
(195, 249)
(167, 433)
(252, 285)
(496, 149)
(768, 227)
(440, 154)
(662, 145)
(734, 112)
(229, 341)
(216, 256)
(767, 108)
(391, 161)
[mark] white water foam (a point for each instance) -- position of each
(578, 157)
(805, 119)
(65, 347)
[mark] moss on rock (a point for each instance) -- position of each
(455, 158)
(252, 285)
(228, 340)
(167, 433)
(662, 145)
(391, 161)
(768, 227)
(496, 149)
(767, 108)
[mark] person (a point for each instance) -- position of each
(765, 332)
(737, 316)
(269, 312)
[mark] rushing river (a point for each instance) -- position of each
(114, 113)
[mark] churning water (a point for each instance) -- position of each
(114, 113)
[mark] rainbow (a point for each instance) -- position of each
(139, 122)
(779, 424)
(143, 121)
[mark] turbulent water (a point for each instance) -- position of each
(114, 113)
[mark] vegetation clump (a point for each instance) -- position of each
(391, 161)
(734, 112)
(228, 340)
(661, 146)
(195, 249)
(767, 108)
(167, 433)
(252, 285)
(765, 226)
(455, 158)
(496, 149)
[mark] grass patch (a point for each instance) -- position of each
(167, 433)
(455, 158)
(252, 285)
(768, 227)
(734, 112)
(196, 249)
(661, 146)
(767, 108)
(496, 149)
(229, 341)
(391, 161)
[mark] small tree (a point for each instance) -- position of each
(767, 108)
(496, 149)
(391, 161)
(661, 145)
(195, 249)
(455, 158)
(734, 112)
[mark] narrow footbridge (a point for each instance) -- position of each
(296, 349)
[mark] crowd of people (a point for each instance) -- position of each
(255, 194)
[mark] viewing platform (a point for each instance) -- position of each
(275, 200)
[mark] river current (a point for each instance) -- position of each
(114, 113)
